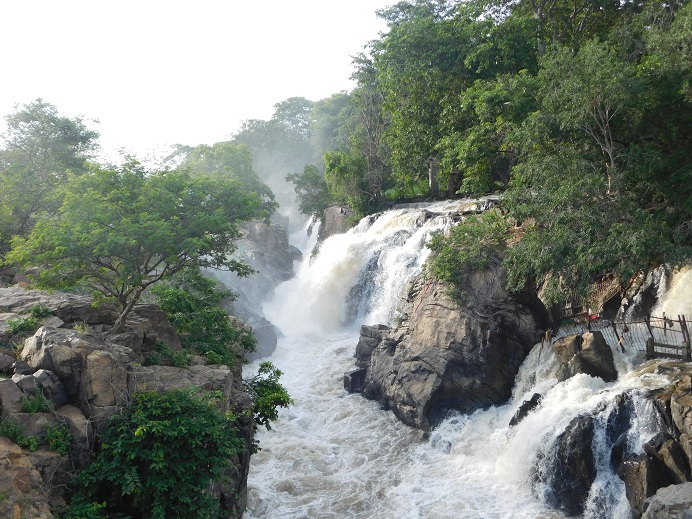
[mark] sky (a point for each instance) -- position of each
(154, 73)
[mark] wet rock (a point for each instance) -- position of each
(588, 354)
(671, 502)
(336, 220)
(643, 476)
(681, 411)
(450, 356)
(525, 408)
(370, 338)
(572, 468)
(354, 380)
(664, 447)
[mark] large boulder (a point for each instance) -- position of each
(335, 220)
(447, 356)
(92, 372)
(588, 353)
(643, 476)
(571, 467)
(671, 502)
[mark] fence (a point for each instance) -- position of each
(657, 336)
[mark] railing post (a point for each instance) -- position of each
(649, 348)
(686, 351)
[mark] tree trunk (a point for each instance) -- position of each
(119, 325)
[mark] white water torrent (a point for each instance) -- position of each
(337, 455)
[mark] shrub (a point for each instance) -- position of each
(39, 311)
(22, 324)
(467, 248)
(35, 403)
(12, 430)
(192, 303)
(164, 355)
(267, 394)
(160, 454)
(59, 438)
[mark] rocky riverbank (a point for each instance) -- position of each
(87, 375)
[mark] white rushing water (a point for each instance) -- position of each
(336, 455)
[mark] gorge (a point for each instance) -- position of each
(336, 454)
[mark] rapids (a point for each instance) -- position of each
(337, 455)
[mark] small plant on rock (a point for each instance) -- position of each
(22, 324)
(59, 438)
(35, 403)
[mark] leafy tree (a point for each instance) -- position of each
(311, 190)
(193, 304)
(118, 232)
(230, 161)
(268, 395)
(159, 456)
(39, 147)
(347, 179)
(296, 114)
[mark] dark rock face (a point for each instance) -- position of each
(525, 408)
(445, 356)
(572, 467)
(643, 476)
(588, 354)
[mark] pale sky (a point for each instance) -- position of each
(156, 72)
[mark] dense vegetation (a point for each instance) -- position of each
(579, 112)
(121, 232)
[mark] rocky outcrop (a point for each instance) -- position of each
(335, 220)
(266, 249)
(666, 458)
(525, 408)
(588, 353)
(571, 469)
(446, 356)
(87, 375)
(672, 502)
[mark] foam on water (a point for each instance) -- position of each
(336, 455)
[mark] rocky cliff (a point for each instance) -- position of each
(87, 376)
(446, 356)
(266, 249)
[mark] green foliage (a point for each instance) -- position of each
(59, 438)
(466, 248)
(165, 356)
(82, 510)
(268, 395)
(12, 430)
(193, 304)
(35, 403)
(346, 175)
(311, 190)
(22, 324)
(39, 311)
(40, 146)
(159, 456)
(120, 231)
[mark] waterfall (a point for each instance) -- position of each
(338, 455)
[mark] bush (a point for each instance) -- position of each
(39, 311)
(12, 430)
(35, 404)
(59, 438)
(22, 324)
(267, 394)
(159, 456)
(164, 355)
(467, 248)
(193, 304)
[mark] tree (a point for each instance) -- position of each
(160, 454)
(311, 190)
(192, 303)
(120, 231)
(40, 147)
(227, 160)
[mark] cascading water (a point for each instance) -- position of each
(337, 455)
